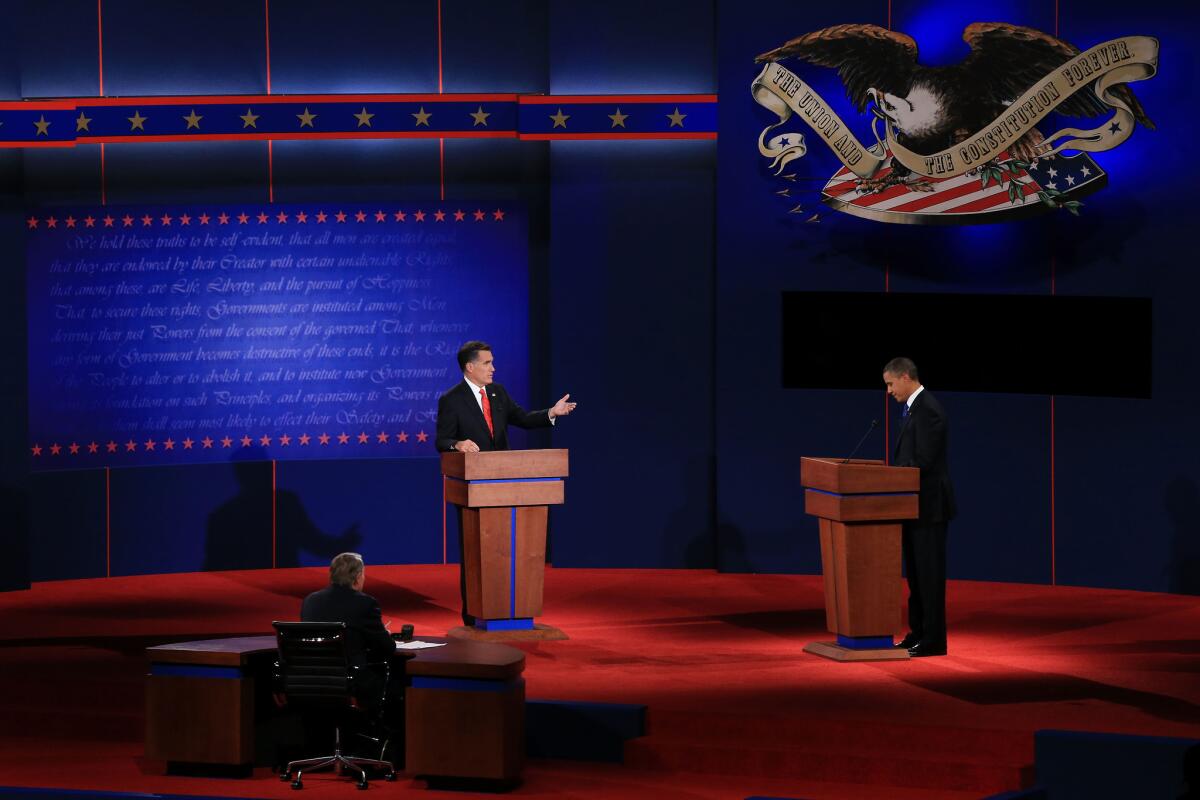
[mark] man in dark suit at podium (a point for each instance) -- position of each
(474, 416)
(921, 442)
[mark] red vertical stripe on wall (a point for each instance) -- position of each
(441, 142)
(1053, 509)
(1053, 465)
(267, 28)
(100, 67)
(100, 42)
(270, 144)
(887, 288)
(108, 522)
(887, 431)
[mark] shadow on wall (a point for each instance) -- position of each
(688, 538)
(233, 539)
(14, 569)
(1191, 773)
(1183, 508)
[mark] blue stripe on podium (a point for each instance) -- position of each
(865, 642)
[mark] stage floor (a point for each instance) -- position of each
(736, 708)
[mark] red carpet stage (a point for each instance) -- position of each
(735, 708)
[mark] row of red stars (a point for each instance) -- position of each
(263, 218)
(207, 442)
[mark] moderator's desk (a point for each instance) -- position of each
(210, 702)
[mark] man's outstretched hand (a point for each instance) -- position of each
(562, 407)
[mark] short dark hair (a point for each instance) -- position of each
(470, 351)
(345, 569)
(902, 366)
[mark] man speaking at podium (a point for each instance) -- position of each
(474, 416)
(921, 442)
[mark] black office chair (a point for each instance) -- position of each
(316, 677)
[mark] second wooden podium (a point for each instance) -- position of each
(860, 504)
(505, 497)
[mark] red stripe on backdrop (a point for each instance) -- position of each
(600, 99)
(108, 522)
(1053, 510)
(1053, 453)
(887, 432)
(239, 99)
(887, 420)
(1053, 499)
(900, 190)
(37, 105)
(923, 201)
(848, 181)
(100, 43)
(441, 88)
(596, 136)
(34, 145)
(267, 29)
(999, 198)
(234, 137)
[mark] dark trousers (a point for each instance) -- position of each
(925, 566)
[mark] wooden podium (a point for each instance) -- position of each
(505, 497)
(861, 504)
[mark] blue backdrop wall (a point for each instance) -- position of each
(655, 275)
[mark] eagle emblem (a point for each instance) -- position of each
(961, 143)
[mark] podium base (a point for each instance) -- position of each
(538, 633)
(835, 651)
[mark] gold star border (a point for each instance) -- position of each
(320, 116)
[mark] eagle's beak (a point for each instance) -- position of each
(874, 109)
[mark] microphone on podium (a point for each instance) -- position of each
(874, 425)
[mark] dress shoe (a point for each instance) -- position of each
(908, 641)
(922, 649)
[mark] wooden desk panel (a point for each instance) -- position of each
(193, 716)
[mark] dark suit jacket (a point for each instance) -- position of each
(922, 443)
(460, 417)
(367, 639)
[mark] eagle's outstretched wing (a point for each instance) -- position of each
(1008, 59)
(865, 56)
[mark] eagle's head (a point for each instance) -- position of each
(920, 113)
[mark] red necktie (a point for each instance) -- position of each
(487, 411)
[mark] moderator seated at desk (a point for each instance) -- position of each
(209, 702)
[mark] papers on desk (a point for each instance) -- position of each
(418, 645)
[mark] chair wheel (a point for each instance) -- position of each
(297, 784)
(362, 784)
(390, 777)
(285, 776)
